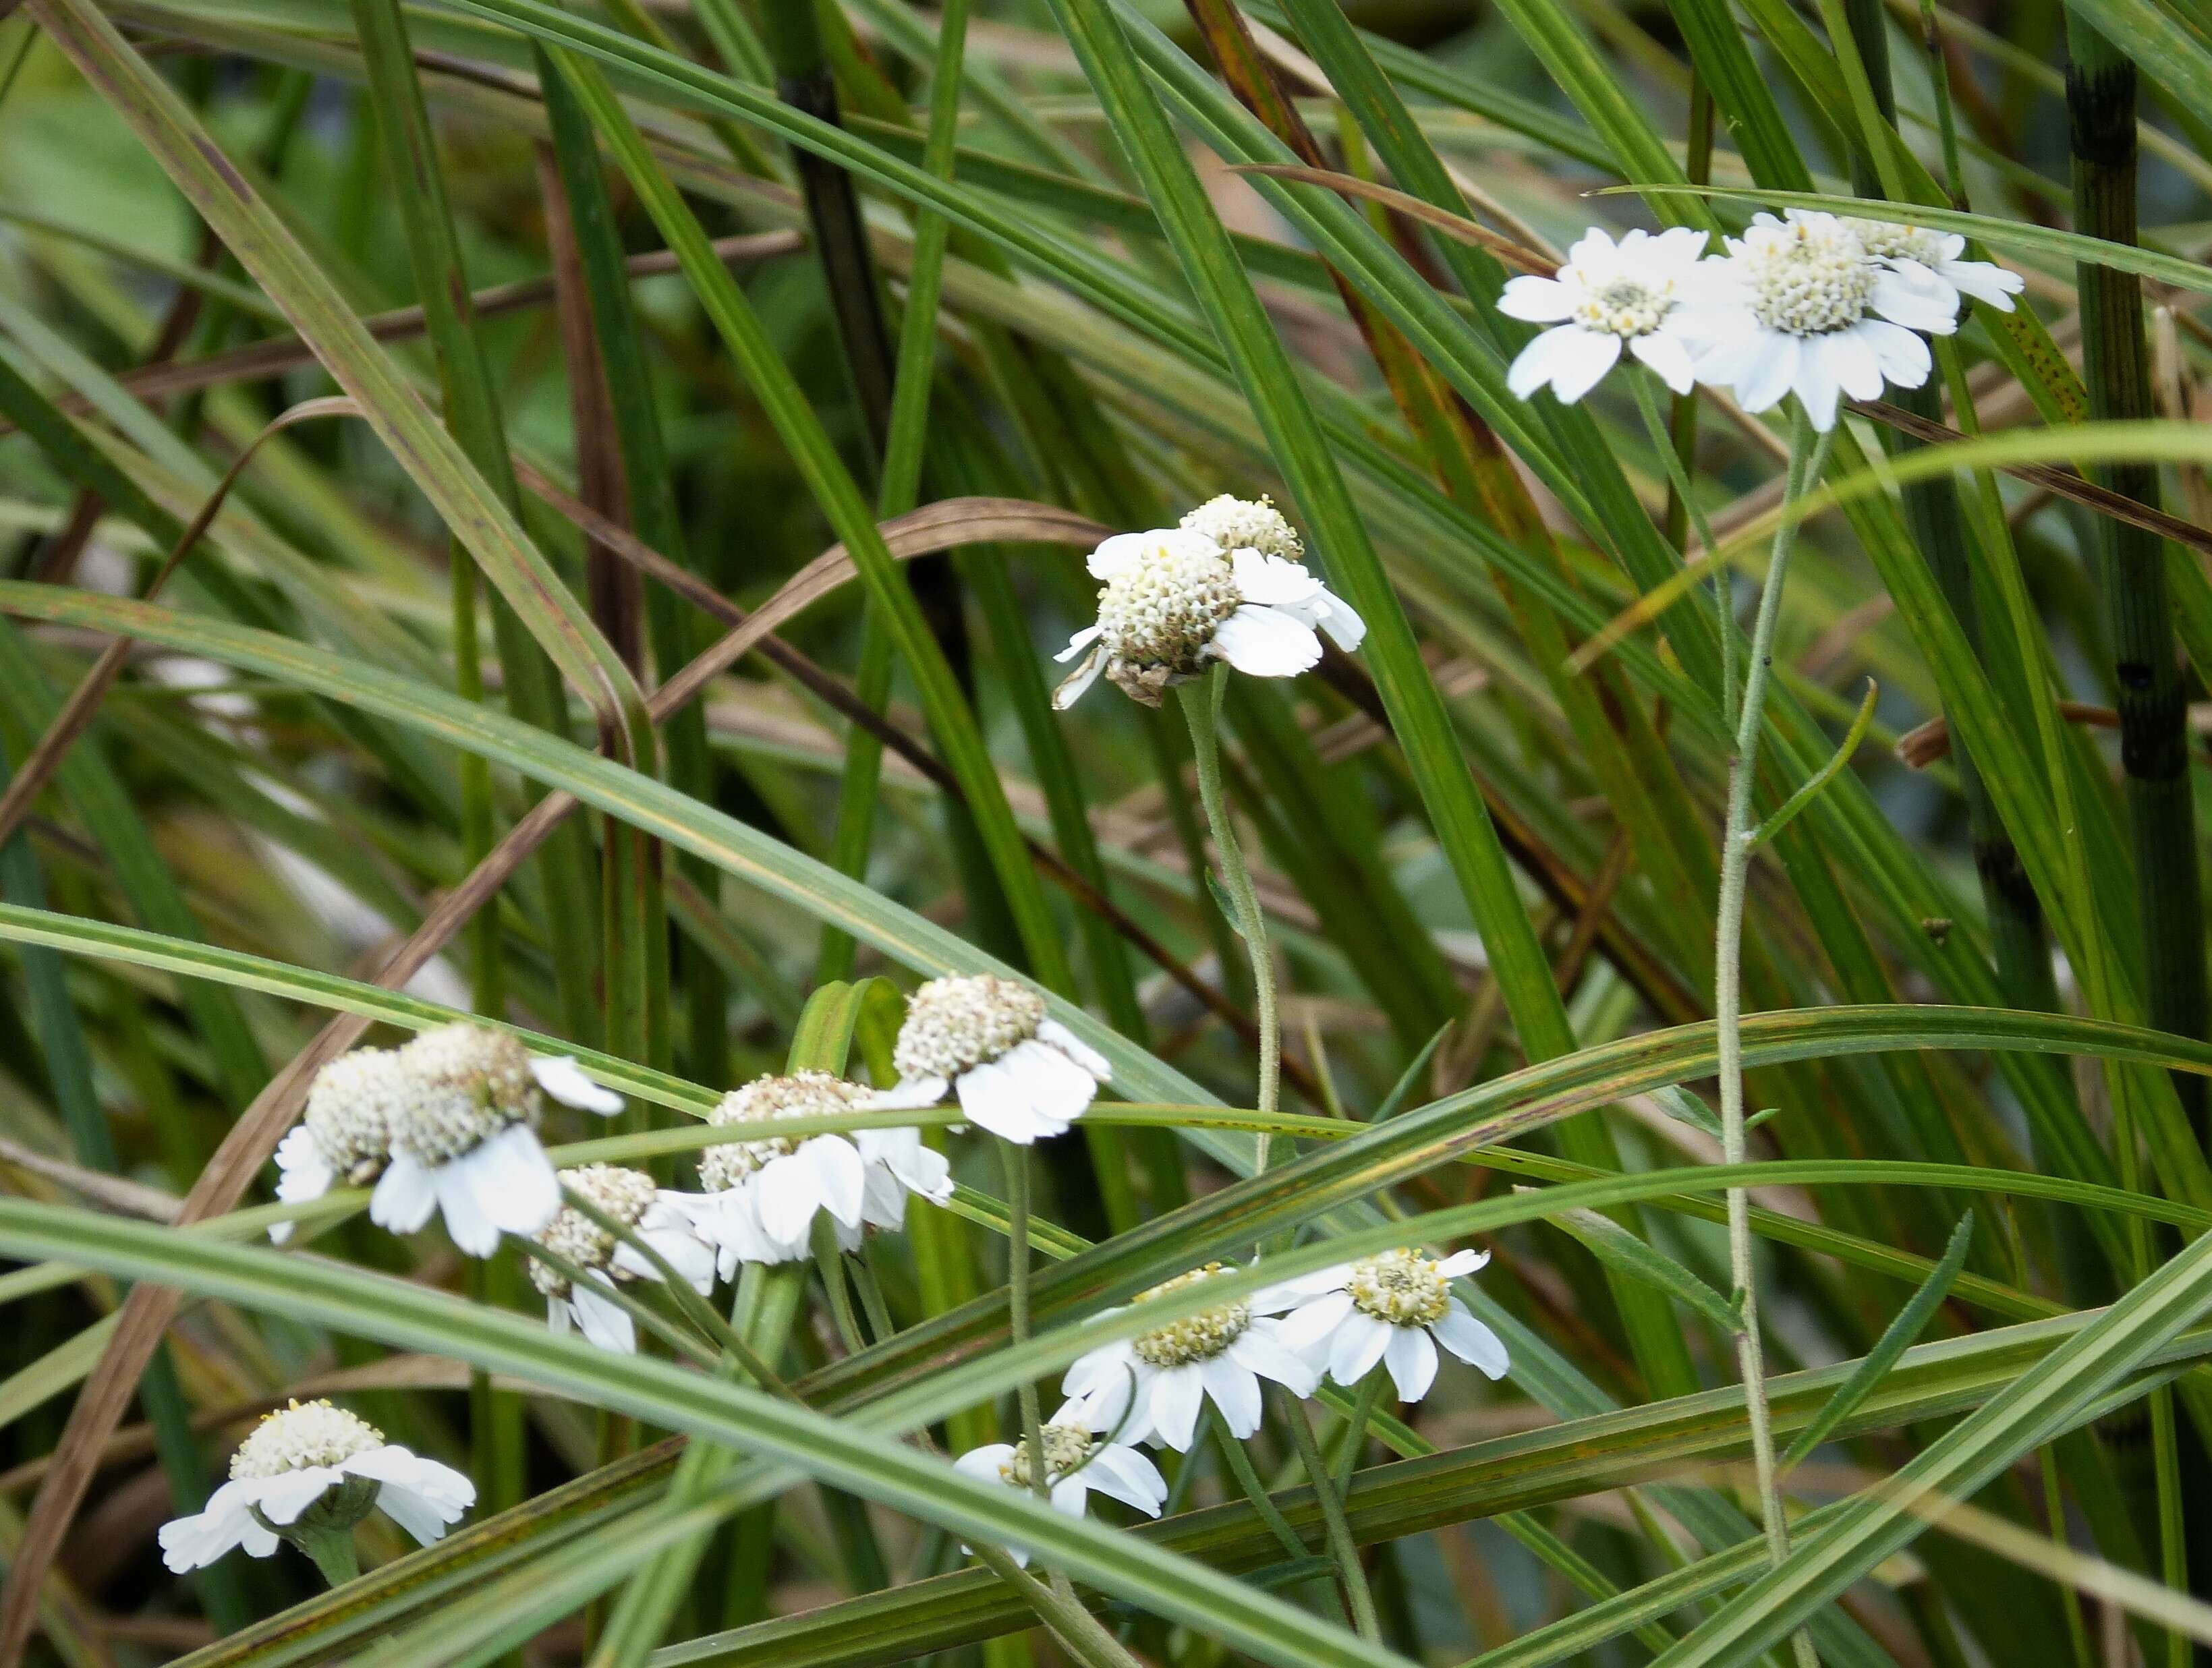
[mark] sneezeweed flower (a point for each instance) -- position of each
(1016, 1071)
(315, 1469)
(658, 1217)
(1639, 294)
(1925, 256)
(1151, 1388)
(1801, 306)
(345, 1133)
(1394, 1308)
(466, 1141)
(763, 1194)
(1076, 1461)
(1176, 598)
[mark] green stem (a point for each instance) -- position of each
(1016, 1159)
(1201, 709)
(332, 1550)
(1355, 1435)
(1342, 1548)
(1807, 455)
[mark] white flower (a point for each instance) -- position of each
(1933, 257)
(1174, 598)
(763, 1194)
(1246, 523)
(1075, 1462)
(345, 1133)
(1802, 307)
(661, 1218)
(1387, 1308)
(313, 1466)
(1017, 1072)
(1150, 1388)
(465, 1141)
(1639, 293)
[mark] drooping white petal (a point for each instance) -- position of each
(281, 1499)
(307, 1174)
(406, 1193)
(787, 1192)
(1072, 686)
(190, 1543)
(909, 1093)
(1261, 1348)
(984, 1462)
(1311, 1326)
(1061, 1088)
(1533, 366)
(1536, 300)
(1070, 1495)
(1236, 1391)
(1904, 357)
(1059, 1036)
(1110, 1362)
(1076, 645)
(1177, 1394)
(1412, 1360)
(1461, 1262)
(1357, 1346)
(1771, 373)
(1984, 280)
(1271, 579)
(1854, 360)
(1121, 1473)
(1266, 642)
(1473, 1342)
(601, 1319)
(1909, 295)
(1580, 363)
(561, 1077)
(998, 1098)
(459, 1201)
(1120, 551)
(1664, 351)
(1818, 385)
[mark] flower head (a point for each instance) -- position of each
(1639, 294)
(1151, 1388)
(1934, 258)
(1075, 1462)
(311, 1465)
(1016, 1071)
(345, 1133)
(1804, 306)
(1394, 1308)
(1176, 598)
(764, 1193)
(463, 1137)
(662, 1219)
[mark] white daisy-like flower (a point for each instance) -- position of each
(1924, 255)
(661, 1218)
(1019, 1073)
(345, 1133)
(1801, 306)
(763, 1194)
(313, 1466)
(1246, 523)
(1394, 1308)
(1075, 1462)
(465, 1142)
(1639, 293)
(1150, 1388)
(1176, 598)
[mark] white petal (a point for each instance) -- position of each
(1072, 686)
(1076, 644)
(1581, 363)
(467, 1224)
(1236, 1391)
(1985, 282)
(602, 1320)
(1357, 1345)
(787, 1191)
(1473, 1342)
(998, 1100)
(561, 1077)
(1178, 1395)
(1262, 579)
(1667, 354)
(984, 1462)
(1121, 1473)
(1262, 1349)
(1461, 1262)
(1819, 362)
(1594, 251)
(1265, 642)
(1412, 1360)
(281, 1499)
(1917, 298)
(189, 1542)
(1314, 1325)
(1769, 374)
(1072, 1494)
(1537, 300)
(1060, 1086)
(1853, 360)
(840, 1175)
(1903, 356)
(1116, 553)
(1053, 1032)
(1532, 367)
(1110, 1363)
(406, 1193)
(1342, 622)
(909, 1093)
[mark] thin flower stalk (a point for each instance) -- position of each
(1809, 453)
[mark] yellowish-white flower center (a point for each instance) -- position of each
(1201, 1337)
(1401, 1287)
(1160, 612)
(301, 1435)
(622, 1195)
(800, 1094)
(465, 1084)
(357, 1100)
(1625, 306)
(1066, 1447)
(1807, 278)
(1887, 241)
(955, 1024)
(1247, 524)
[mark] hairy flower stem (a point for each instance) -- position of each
(1808, 453)
(1201, 709)
(1341, 1547)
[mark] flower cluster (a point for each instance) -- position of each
(658, 1218)
(1812, 304)
(1227, 585)
(313, 1467)
(1016, 1070)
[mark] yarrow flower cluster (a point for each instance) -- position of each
(1016, 1070)
(312, 1467)
(1394, 1308)
(1076, 1461)
(763, 1193)
(659, 1218)
(1152, 1387)
(447, 1120)
(1811, 304)
(1226, 585)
